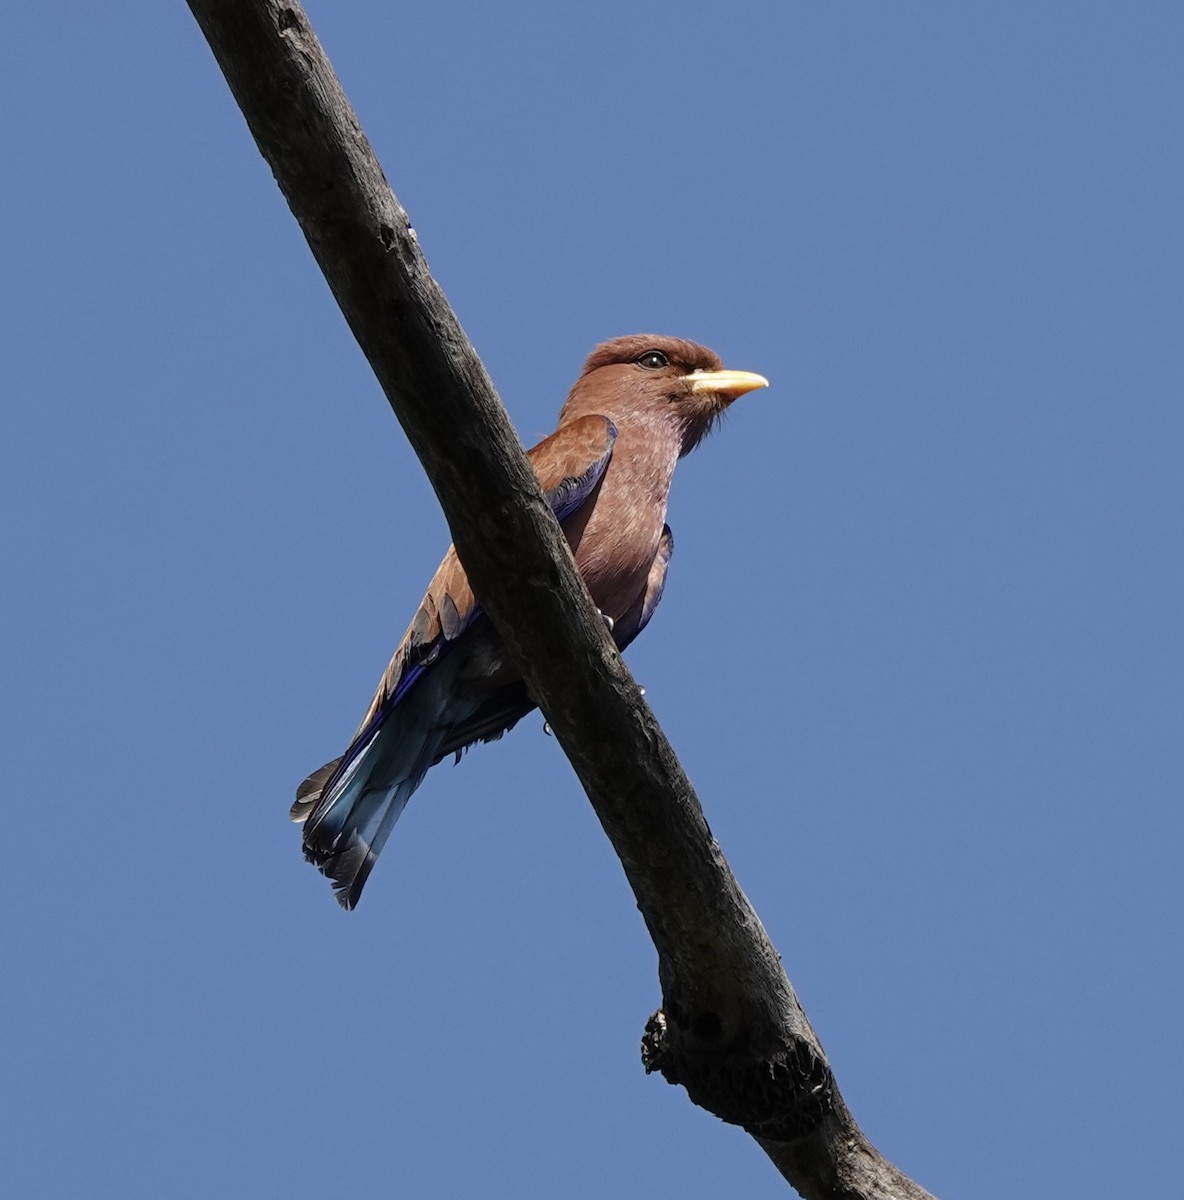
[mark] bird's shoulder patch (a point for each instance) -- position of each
(571, 461)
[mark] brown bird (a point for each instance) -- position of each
(641, 403)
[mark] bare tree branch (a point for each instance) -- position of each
(730, 1029)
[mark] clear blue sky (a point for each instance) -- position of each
(920, 649)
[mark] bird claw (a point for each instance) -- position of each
(607, 620)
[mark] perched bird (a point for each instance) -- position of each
(641, 403)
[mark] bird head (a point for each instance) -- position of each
(647, 377)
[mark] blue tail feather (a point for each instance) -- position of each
(371, 784)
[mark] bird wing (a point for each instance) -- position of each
(569, 464)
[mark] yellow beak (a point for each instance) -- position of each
(728, 383)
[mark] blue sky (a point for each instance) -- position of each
(920, 649)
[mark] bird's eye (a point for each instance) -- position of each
(653, 360)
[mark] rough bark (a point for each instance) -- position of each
(730, 1029)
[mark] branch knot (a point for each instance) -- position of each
(778, 1096)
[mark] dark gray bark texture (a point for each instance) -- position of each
(730, 1029)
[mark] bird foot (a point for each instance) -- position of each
(607, 620)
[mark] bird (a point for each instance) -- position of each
(640, 404)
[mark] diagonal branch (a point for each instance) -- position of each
(731, 1029)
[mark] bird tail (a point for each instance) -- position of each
(350, 806)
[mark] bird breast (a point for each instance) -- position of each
(615, 538)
